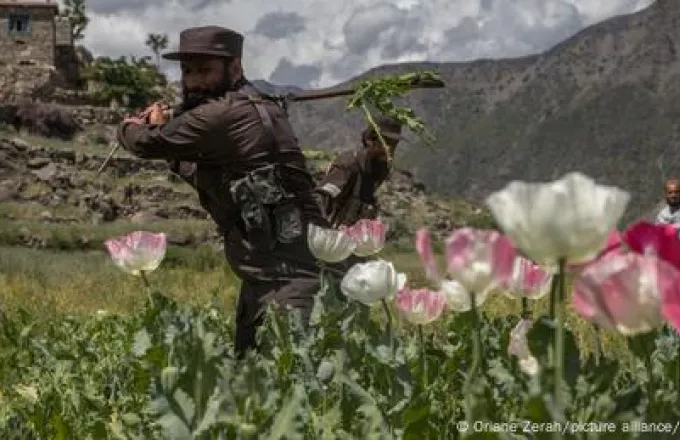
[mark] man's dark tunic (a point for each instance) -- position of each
(214, 145)
(349, 186)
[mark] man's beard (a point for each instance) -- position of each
(193, 98)
(673, 204)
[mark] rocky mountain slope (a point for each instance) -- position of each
(50, 189)
(604, 102)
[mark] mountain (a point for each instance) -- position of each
(605, 102)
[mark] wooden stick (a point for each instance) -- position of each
(305, 95)
(108, 158)
(116, 145)
(332, 92)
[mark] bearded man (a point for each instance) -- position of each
(238, 150)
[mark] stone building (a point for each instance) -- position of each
(32, 33)
(36, 47)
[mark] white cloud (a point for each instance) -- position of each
(332, 41)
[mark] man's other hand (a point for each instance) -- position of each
(134, 120)
(156, 114)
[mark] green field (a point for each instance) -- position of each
(89, 352)
(54, 283)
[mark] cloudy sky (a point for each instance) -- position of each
(316, 43)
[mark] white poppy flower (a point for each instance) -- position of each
(372, 281)
(519, 346)
(458, 298)
(138, 252)
(569, 218)
(329, 245)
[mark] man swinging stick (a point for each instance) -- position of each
(236, 147)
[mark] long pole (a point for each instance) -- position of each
(310, 95)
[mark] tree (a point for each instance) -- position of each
(157, 42)
(133, 80)
(74, 11)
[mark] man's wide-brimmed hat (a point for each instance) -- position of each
(389, 127)
(208, 40)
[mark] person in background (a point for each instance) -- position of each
(670, 214)
(347, 192)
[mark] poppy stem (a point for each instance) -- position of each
(145, 279)
(677, 376)
(423, 356)
(526, 313)
(553, 291)
(148, 287)
(476, 355)
(598, 344)
(389, 323)
(559, 334)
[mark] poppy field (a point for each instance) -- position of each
(384, 356)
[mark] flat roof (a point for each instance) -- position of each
(29, 4)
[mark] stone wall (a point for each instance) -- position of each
(67, 64)
(63, 36)
(16, 80)
(88, 115)
(33, 45)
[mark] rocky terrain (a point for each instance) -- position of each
(51, 196)
(603, 102)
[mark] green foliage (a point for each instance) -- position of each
(135, 80)
(74, 11)
(157, 43)
(169, 372)
(380, 92)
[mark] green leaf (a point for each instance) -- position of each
(536, 409)
(541, 339)
(289, 422)
(174, 427)
(325, 372)
(142, 343)
(642, 346)
(169, 378)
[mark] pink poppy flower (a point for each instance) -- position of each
(138, 252)
(480, 260)
(457, 297)
(457, 292)
(528, 279)
(424, 249)
(660, 240)
(420, 306)
(625, 291)
(368, 235)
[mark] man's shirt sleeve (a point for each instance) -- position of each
(662, 217)
(192, 136)
(338, 176)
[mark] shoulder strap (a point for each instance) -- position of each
(257, 100)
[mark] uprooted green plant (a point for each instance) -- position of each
(380, 93)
